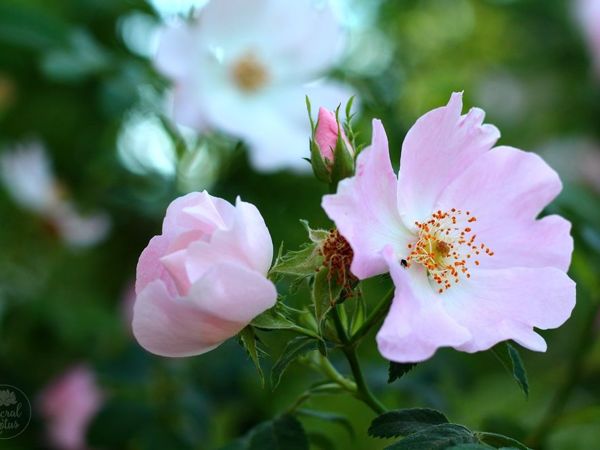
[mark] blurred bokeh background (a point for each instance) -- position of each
(77, 85)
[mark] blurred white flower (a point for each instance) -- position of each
(588, 15)
(27, 175)
(244, 67)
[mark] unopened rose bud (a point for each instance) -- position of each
(326, 135)
(332, 155)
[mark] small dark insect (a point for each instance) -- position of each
(404, 263)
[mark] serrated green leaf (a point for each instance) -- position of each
(325, 292)
(499, 440)
(512, 362)
(272, 319)
(404, 422)
(436, 437)
(282, 433)
(330, 417)
(295, 348)
(397, 370)
(299, 263)
(248, 340)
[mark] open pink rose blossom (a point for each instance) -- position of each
(204, 278)
(68, 405)
(458, 231)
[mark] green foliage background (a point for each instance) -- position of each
(69, 79)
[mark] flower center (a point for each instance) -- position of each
(249, 73)
(447, 247)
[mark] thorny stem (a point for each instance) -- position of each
(380, 310)
(363, 392)
(575, 367)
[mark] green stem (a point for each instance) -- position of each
(331, 372)
(378, 313)
(363, 392)
(575, 368)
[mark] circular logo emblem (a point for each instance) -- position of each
(15, 411)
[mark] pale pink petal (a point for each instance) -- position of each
(503, 186)
(150, 268)
(218, 306)
(174, 57)
(545, 242)
(197, 211)
(364, 208)
(437, 149)
(247, 242)
(417, 323)
(232, 292)
(68, 404)
(496, 305)
(173, 326)
(326, 133)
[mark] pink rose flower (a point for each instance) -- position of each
(588, 14)
(69, 404)
(204, 278)
(457, 230)
(326, 134)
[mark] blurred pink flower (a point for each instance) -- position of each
(326, 134)
(68, 405)
(588, 14)
(204, 278)
(27, 175)
(457, 230)
(244, 67)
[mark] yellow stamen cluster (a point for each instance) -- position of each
(249, 74)
(447, 246)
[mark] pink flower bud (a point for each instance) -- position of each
(68, 405)
(326, 134)
(204, 278)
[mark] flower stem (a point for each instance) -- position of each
(380, 310)
(363, 392)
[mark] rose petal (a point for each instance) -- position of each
(503, 186)
(417, 323)
(496, 305)
(437, 149)
(365, 210)
(218, 306)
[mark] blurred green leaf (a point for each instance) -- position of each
(249, 341)
(436, 437)
(282, 433)
(330, 417)
(295, 348)
(26, 26)
(404, 422)
(321, 440)
(498, 440)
